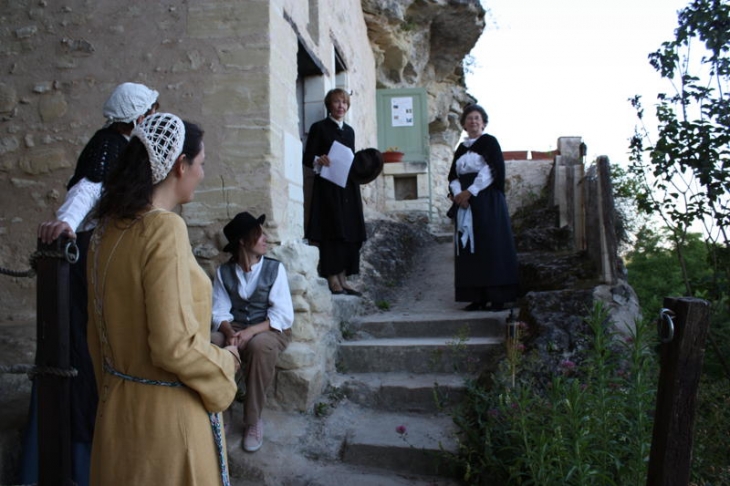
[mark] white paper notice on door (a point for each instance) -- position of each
(401, 111)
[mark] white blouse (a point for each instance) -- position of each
(80, 200)
(281, 309)
(469, 163)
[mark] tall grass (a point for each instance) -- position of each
(589, 425)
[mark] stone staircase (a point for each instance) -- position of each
(399, 369)
(402, 372)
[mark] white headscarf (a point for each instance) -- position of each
(128, 102)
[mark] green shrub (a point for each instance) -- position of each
(589, 426)
(711, 448)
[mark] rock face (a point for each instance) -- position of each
(561, 285)
(389, 253)
(417, 43)
(422, 43)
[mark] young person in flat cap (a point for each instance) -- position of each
(162, 383)
(126, 107)
(252, 309)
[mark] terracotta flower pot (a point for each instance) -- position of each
(393, 156)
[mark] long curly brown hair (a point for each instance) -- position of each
(127, 190)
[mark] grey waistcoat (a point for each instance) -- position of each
(252, 311)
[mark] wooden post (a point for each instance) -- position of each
(683, 329)
(53, 352)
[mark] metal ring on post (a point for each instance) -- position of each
(71, 252)
(665, 325)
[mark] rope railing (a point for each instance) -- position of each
(71, 483)
(34, 370)
(70, 253)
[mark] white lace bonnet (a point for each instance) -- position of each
(163, 135)
(128, 102)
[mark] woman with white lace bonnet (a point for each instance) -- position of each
(126, 107)
(485, 270)
(162, 383)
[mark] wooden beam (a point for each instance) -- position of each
(53, 353)
(684, 326)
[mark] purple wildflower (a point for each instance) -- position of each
(567, 364)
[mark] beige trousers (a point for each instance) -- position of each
(259, 360)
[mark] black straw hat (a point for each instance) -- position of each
(366, 166)
(238, 227)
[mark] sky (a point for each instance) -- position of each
(544, 69)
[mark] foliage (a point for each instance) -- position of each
(321, 409)
(333, 396)
(346, 330)
(711, 451)
(686, 180)
(589, 426)
(625, 188)
(654, 272)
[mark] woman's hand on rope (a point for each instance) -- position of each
(49, 231)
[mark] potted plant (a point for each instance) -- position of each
(392, 154)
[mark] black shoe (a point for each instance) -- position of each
(352, 292)
(475, 306)
(337, 292)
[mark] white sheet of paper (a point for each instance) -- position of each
(340, 162)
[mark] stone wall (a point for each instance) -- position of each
(229, 66)
(234, 68)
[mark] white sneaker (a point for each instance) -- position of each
(253, 437)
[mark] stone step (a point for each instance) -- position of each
(418, 355)
(352, 475)
(373, 440)
(444, 236)
(432, 324)
(402, 392)
(323, 451)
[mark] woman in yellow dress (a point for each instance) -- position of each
(161, 382)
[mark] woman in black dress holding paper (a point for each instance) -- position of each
(486, 272)
(336, 222)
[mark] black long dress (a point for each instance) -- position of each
(95, 161)
(336, 221)
(490, 273)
